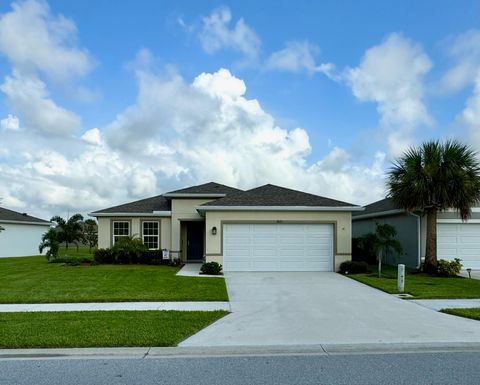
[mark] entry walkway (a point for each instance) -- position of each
(439, 304)
(110, 306)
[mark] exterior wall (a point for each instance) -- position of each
(341, 220)
(407, 234)
(105, 229)
(183, 210)
(20, 240)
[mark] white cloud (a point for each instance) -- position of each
(298, 56)
(217, 33)
(93, 136)
(465, 50)
(391, 75)
(11, 122)
(35, 40)
(28, 96)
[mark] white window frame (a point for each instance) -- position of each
(123, 235)
(158, 235)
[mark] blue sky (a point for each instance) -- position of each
(102, 104)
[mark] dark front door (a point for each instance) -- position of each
(195, 241)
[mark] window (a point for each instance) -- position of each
(120, 229)
(151, 235)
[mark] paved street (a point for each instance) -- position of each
(389, 369)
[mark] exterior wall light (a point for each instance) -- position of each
(214, 230)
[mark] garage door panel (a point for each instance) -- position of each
(460, 240)
(278, 247)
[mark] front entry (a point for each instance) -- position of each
(195, 235)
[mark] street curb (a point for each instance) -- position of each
(225, 351)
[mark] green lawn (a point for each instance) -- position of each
(422, 285)
(473, 313)
(33, 280)
(101, 328)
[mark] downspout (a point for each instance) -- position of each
(419, 235)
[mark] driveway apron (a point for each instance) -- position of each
(321, 308)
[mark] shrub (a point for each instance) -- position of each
(103, 256)
(175, 262)
(129, 250)
(449, 268)
(74, 261)
(363, 249)
(211, 268)
(353, 267)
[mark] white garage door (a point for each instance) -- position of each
(459, 241)
(278, 247)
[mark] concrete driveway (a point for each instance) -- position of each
(324, 308)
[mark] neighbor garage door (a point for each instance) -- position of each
(459, 241)
(278, 247)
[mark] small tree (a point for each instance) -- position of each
(69, 231)
(50, 241)
(90, 233)
(385, 240)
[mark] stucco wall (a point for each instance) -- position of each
(341, 220)
(105, 238)
(182, 210)
(20, 240)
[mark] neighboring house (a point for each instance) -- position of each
(268, 228)
(455, 238)
(22, 234)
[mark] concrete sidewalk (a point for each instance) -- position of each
(109, 306)
(439, 304)
(225, 351)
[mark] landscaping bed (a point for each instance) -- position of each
(421, 286)
(33, 280)
(101, 328)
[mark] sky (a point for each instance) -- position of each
(104, 102)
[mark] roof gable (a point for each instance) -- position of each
(148, 205)
(10, 215)
(271, 195)
(210, 188)
(383, 205)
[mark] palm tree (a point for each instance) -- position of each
(50, 241)
(435, 177)
(69, 231)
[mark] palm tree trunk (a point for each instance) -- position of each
(431, 246)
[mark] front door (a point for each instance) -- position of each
(195, 241)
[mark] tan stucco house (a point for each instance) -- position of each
(268, 228)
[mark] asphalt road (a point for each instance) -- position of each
(390, 369)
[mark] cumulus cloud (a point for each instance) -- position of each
(28, 96)
(391, 75)
(208, 130)
(35, 40)
(218, 33)
(11, 122)
(464, 49)
(298, 56)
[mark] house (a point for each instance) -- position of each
(21, 235)
(455, 238)
(268, 228)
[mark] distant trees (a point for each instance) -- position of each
(90, 233)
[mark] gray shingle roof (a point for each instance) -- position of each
(378, 207)
(9, 215)
(270, 195)
(148, 205)
(206, 188)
